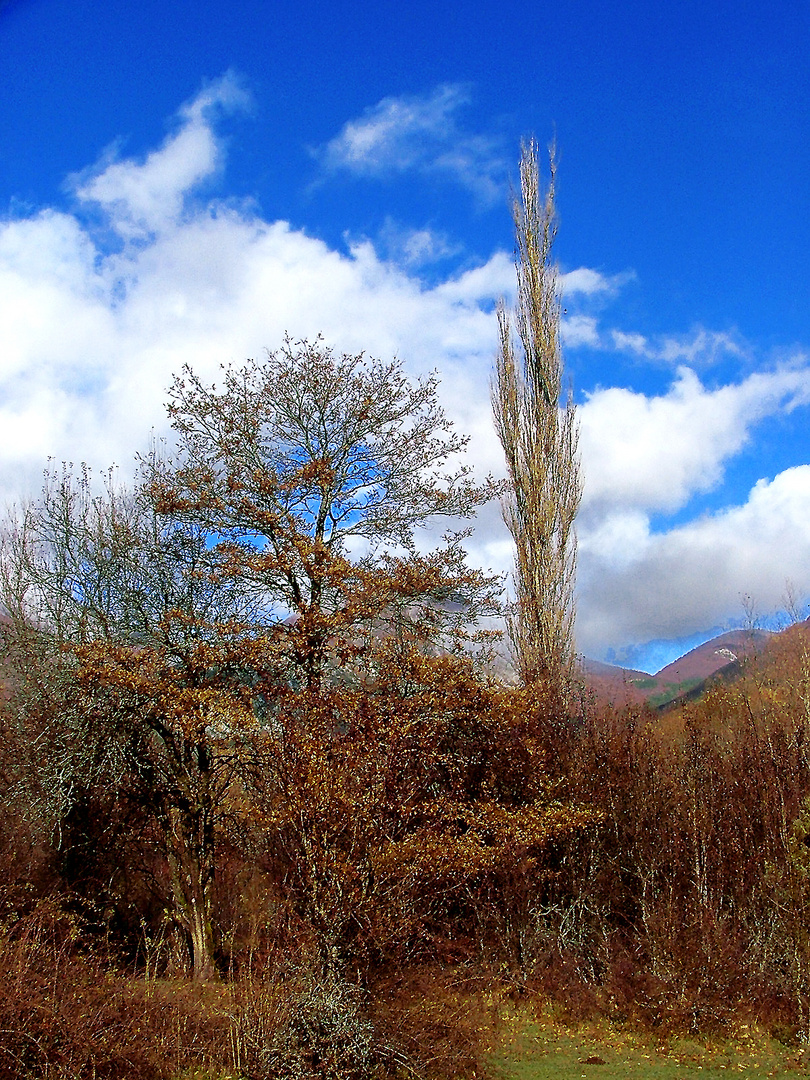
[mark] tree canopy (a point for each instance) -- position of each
(284, 654)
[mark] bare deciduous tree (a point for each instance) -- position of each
(539, 436)
(120, 654)
(315, 471)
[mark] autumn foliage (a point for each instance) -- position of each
(270, 812)
(252, 731)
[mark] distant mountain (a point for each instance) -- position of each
(712, 656)
(610, 671)
(682, 678)
(613, 685)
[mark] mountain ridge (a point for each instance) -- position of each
(679, 679)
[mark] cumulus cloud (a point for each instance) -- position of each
(421, 133)
(694, 576)
(655, 453)
(93, 331)
(644, 455)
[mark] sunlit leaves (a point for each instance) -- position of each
(312, 472)
(381, 802)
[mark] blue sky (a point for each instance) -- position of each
(185, 182)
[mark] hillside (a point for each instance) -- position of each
(684, 677)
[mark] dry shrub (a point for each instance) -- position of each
(303, 1027)
(679, 997)
(700, 972)
(433, 1023)
(62, 1014)
(560, 980)
(675, 910)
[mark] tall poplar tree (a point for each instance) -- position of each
(539, 434)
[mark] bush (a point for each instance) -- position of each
(63, 1014)
(304, 1028)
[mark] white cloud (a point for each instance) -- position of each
(586, 282)
(644, 455)
(414, 248)
(633, 343)
(143, 196)
(702, 346)
(695, 576)
(391, 135)
(699, 348)
(579, 330)
(422, 246)
(91, 339)
(481, 284)
(617, 538)
(422, 133)
(655, 453)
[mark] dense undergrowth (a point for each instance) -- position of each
(69, 1010)
(682, 904)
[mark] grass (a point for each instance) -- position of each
(545, 1049)
(672, 691)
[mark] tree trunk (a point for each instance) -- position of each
(191, 864)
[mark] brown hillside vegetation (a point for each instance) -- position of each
(686, 677)
(679, 901)
(268, 812)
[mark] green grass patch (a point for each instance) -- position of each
(547, 1050)
(672, 691)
